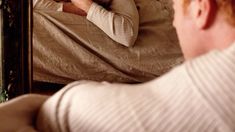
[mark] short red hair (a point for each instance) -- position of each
(227, 7)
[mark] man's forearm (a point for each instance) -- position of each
(71, 8)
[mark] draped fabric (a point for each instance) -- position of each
(68, 47)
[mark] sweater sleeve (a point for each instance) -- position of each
(47, 5)
(104, 107)
(196, 96)
(121, 23)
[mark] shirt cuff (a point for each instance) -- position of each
(91, 12)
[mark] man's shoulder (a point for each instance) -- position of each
(213, 65)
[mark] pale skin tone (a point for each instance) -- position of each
(200, 30)
(19, 115)
(79, 7)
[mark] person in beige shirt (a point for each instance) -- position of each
(120, 24)
(197, 96)
(69, 47)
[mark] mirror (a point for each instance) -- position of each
(69, 47)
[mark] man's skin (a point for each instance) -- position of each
(79, 7)
(200, 28)
(18, 115)
(71, 8)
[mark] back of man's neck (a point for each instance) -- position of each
(223, 36)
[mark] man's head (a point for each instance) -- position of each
(203, 25)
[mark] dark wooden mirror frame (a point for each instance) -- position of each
(16, 47)
(17, 71)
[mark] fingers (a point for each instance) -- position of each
(83, 4)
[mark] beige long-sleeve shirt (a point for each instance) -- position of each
(121, 23)
(47, 5)
(198, 96)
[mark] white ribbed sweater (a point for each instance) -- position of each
(198, 96)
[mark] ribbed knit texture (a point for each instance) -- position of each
(198, 96)
(120, 24)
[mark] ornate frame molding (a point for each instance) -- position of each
(16, 47)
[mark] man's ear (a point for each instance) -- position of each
(203, 12)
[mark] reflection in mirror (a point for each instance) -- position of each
(129, 41)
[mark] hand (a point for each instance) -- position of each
(71, 8)
(20, 114)
(83, 4)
